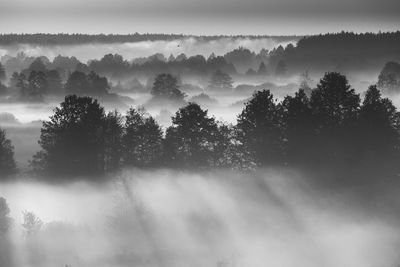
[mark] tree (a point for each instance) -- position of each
(389, 77)
(192, 139)
(298, 125)
(3, 89)
(22, 84)
(6, 249)
(72, 140)
(220, 80)
(54, 83)
(32, 224)
(81, 84)
(306, 83)
(165, 86)
(142, 140)
(260, 130)
(113, 146)
(37, 86)
(379, 127)
(5, 220)
(335, 107)
(2, 73)
(262, 69)
(281, 68)
(77, 83)
(7, 162)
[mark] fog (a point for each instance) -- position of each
(190, 46)
(167, 218)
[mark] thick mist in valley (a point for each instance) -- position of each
(168, 218)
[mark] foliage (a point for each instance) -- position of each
(7, 162)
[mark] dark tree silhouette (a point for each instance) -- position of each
(379, 127)
(260, 130)
(142, 140)
(298, 124)
(7, 162)
(91, 85)
(165, 86)
(335, 107)
(220, 81)
(72, 140)
(192, 139)
(113, 146)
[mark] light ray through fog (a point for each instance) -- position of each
(181, 219)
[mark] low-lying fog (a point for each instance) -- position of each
(189, 46)
(167, 218)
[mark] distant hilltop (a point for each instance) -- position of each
(66, 39)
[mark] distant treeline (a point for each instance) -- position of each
(330, 130)
(341, 51)
(66, 39)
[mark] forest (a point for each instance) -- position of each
(180, 150)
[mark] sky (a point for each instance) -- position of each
(208, 17)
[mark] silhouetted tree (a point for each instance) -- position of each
(7, 162)
(77, 83)
(298, 125)
(192, 139)
(380, 125)
(335, 107)
(220, 80)
(260, 130)
(113, 134)
(142, 140)
(81, 84)
(165, 86)
(72, 140)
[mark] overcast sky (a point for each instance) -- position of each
(209, 17)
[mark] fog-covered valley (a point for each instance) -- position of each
(199, 151)
(169, 218)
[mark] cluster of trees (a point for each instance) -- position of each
(34, 83)
(332, 128)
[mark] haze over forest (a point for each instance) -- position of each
(200, 149)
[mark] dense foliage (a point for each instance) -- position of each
(332, 128)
